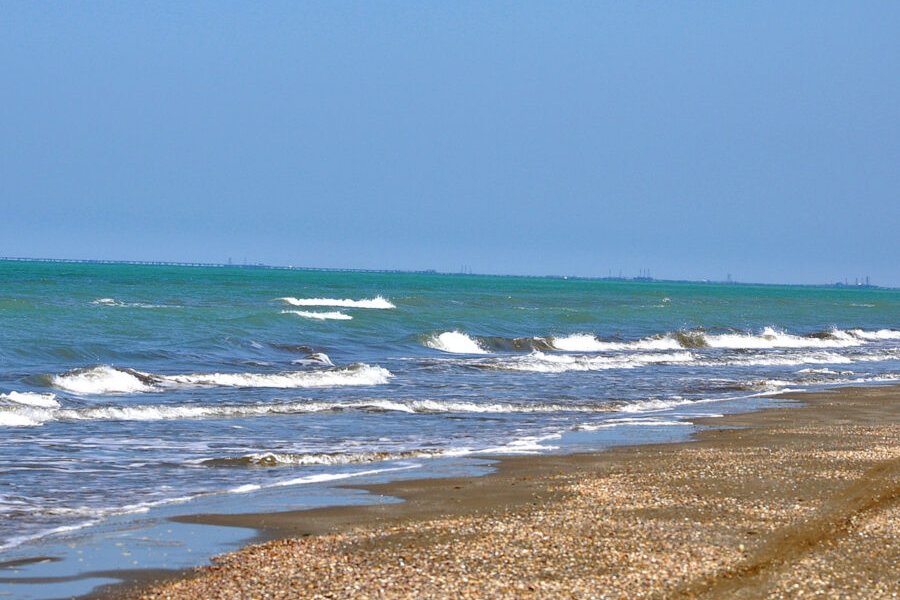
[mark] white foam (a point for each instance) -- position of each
(643, 422)
(318, 478)
(21, 417)
(787, 360)
(317, 358)
(768, 338)
(437, 406)
(541, 362)
(30, 417)
(376, 302)
(31, 399)
(120, 303)
(321, 316)
(337, 458)
(526, 445)
(657, 404)
(361, 374)
(772, 338)
(583, 342)
(106, 302)
(824, 371)
(874, 336)
(455, 342)
(103, 380)
(110, 380)
(893, 354)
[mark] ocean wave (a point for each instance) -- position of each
(278, 459)
(321, 316)
(770, 387)
(31, 399)
(455, 342)
(519, 344)
(769, 338)
(874, 336)
(26, 416)
(773, 338)
(359, 374)
(540, 362)
(105, 380)
(376, 302)
(782, 360)
(823, 371)
(19, 417)
(123, 304)
(440, 406)
(661, 404)
(583, 342)
(294, 348)
(524, 445)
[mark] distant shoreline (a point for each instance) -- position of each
(638, 279)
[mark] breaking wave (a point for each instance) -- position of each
(784, 360)
(540, 362)
(360, 374)
(767, 338)
(105, 379)
(376, 302)
(455, 342)
(31, 399)
(20, 417)
(881, 334)
(583, 342)
(526, 445)
(322, 316)
(278, 459)
(26, 416)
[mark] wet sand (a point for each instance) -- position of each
(783, 503)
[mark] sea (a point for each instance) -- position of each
(128, 387)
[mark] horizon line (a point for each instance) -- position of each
(637, 279)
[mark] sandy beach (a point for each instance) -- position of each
(783, 503)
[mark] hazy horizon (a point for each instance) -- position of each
(693, 140)
(645, 274)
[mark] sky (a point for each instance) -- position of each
(693, 139)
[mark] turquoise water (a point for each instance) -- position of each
(127, 387)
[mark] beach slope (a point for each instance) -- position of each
(782, 503)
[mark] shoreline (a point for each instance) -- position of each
(759, 505)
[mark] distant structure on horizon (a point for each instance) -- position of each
(643, 274)
(858, 282)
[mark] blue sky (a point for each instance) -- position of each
(695, 139)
